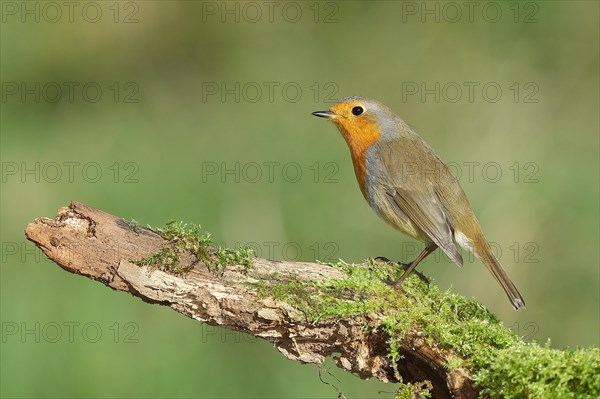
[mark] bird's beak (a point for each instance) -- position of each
(325, 114)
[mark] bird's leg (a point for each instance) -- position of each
(428, 249)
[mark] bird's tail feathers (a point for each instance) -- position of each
(493, 265)
(481, 248)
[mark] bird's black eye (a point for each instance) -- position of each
(357, 110)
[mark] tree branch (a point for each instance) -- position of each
(103, 247)
(95, 244)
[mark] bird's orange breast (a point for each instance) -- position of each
(360, 135)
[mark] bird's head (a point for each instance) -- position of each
(361, 121)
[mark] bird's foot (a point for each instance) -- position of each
(398, 283)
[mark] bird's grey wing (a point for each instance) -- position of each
(426, 212)
(413, 195)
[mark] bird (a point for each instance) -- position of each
(408, 185)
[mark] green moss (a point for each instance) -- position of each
(420, 390)
(183, 238)
(227, 256)
(166, 259)
(527, 370)
(359, 293)
(503, 365)
(187, 238)
(454, 363)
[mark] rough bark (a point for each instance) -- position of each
(100, 246)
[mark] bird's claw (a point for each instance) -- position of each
(398, 283)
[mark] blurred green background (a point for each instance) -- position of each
(165, 122)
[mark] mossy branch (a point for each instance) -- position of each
(439, 344)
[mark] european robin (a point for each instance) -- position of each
(407, 185)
